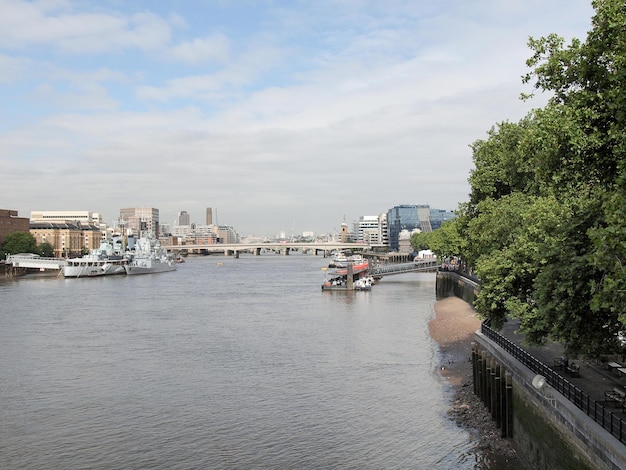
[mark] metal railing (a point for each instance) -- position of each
(399, 268)
(592, 408)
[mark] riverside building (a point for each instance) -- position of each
(81, 217)
(413, 218)
(372, 229)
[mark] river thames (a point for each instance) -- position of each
(224, 364)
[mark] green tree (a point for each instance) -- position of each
(444, 241)
(421, 241)
(45, 249)
(544, 227)
(19, 242)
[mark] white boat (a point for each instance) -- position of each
(363, 284)
(148, 257)
(340, 260)
(103, 261)
(90, 266)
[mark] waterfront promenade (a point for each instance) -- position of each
(455, 326)
(594, 378)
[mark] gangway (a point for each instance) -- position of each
(401, 268)
(35, 262)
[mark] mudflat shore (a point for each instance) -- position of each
(452, 327)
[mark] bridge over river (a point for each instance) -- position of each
(235, 249)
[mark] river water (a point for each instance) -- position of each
(224, 364)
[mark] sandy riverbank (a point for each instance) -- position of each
(453, 327)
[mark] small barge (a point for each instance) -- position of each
(353, 277)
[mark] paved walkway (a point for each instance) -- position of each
(595, 377)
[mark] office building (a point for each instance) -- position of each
(371, 229)
(140, 220)
(439, 216)
(209, 216)
(411, 218)
(82, 217)
(227, 234)
(183, 218)
(407, 217)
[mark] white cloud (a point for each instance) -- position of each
(24, 24)
(207, 49)
(279, 115)
(13, 68)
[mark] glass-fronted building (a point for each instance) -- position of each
(439, 216)
(402, 217)
(412, 217)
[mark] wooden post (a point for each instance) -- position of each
(349, 280)
(507, 431)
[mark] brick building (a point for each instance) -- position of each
(68, 239)
(10, 222)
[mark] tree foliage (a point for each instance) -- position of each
(545, 226)
(45, 249)
(444, 242)
(19, 242)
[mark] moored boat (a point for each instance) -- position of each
(90, 266)
(340, 260)
(104, 261)
(353, 277)
(149, 257)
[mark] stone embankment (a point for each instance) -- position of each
(453, 327)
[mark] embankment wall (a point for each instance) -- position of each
(548, 431)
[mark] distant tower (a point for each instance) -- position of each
(344, 232)
(183, 218)
(209, 216)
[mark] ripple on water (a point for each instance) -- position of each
(244, 365)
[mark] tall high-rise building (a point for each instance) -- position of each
(183, 218)
(209, 216)
(138, 220)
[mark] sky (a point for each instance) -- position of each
(290, 116)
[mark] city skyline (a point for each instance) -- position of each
(131, 217)
(281, 117)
